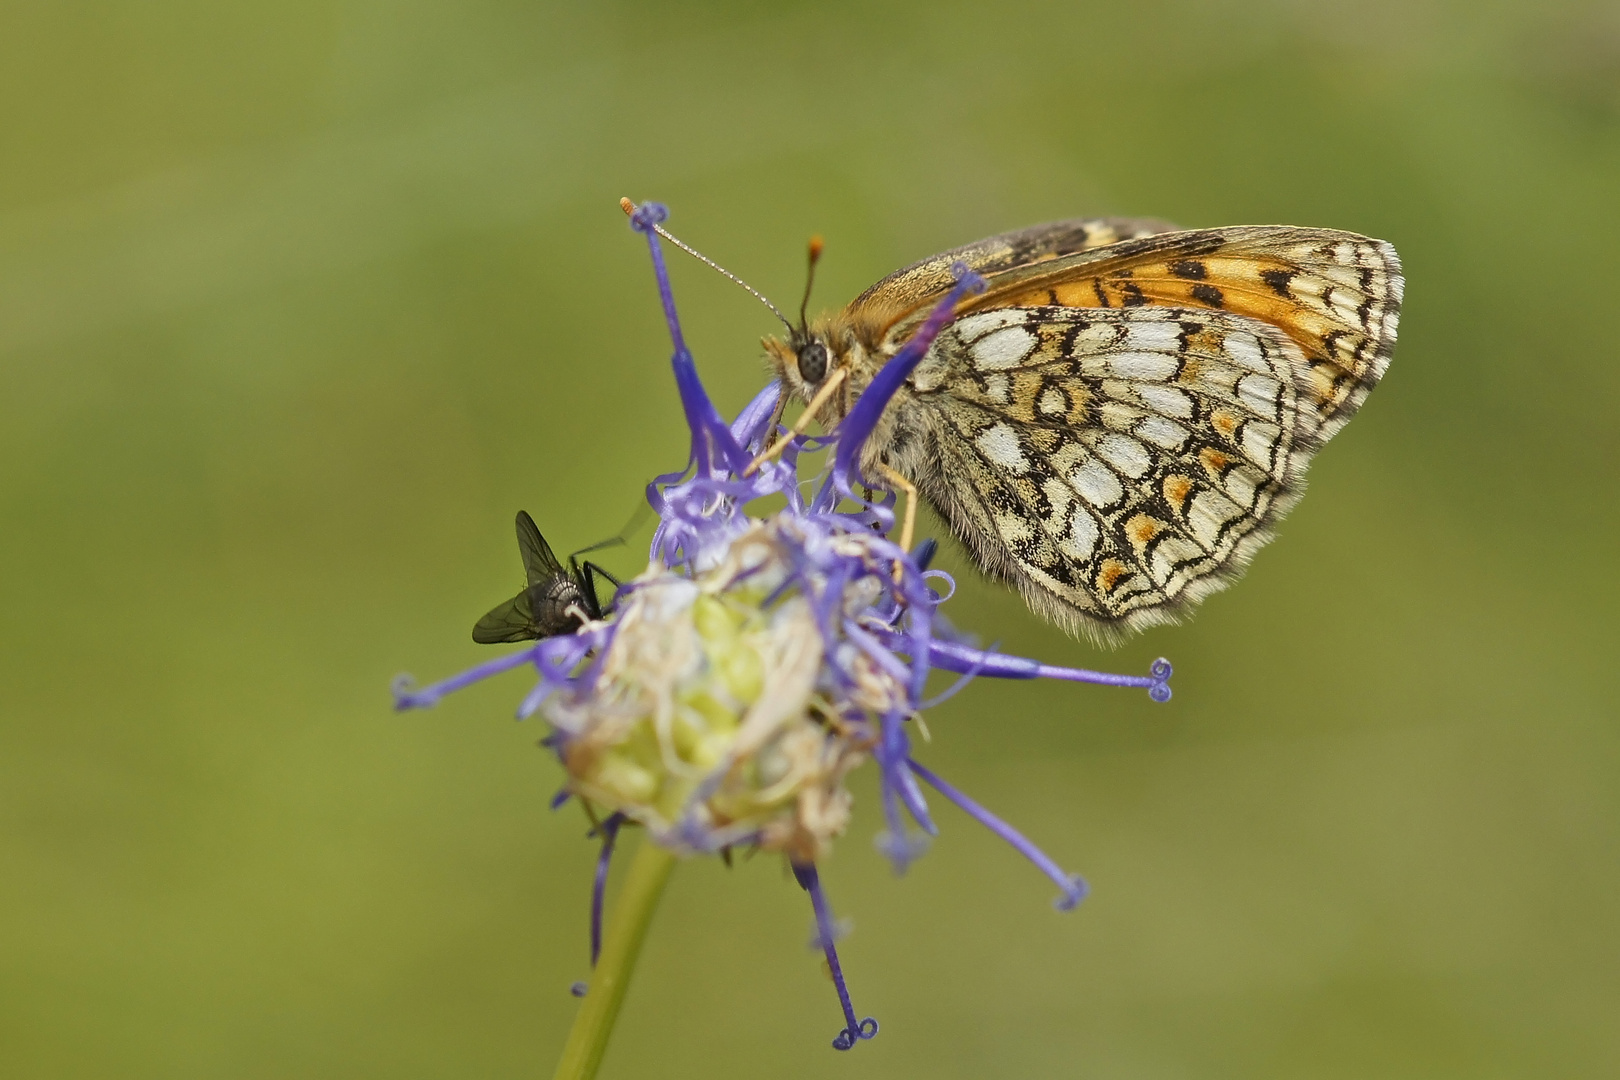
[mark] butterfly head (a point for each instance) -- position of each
(810, 358)
(802, 361)
(812, 354)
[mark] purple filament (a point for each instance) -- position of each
(702, 509)
(897, 843)
(959, 685)
(610, 833)
(407, 698)
(1073, 886)
(953, 656)
(709, 431)
(805, 874)
(891, 753)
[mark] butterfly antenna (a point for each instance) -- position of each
(809, 279)
(629, 208)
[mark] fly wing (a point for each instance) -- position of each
(539, 563)
(511, 621)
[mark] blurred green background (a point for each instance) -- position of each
(300, 302)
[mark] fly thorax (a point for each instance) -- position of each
(557, 605)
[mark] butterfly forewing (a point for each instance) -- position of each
(905, 291)
(1336, 294)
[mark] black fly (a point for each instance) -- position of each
(557, 599)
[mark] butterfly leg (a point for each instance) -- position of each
(803, 423)
(776, 419)
(909, 522)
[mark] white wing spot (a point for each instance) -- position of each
(1259, 392)
(1258, 440)
(1000, 445)
(1244, 349)
(1209, 511)
(1066, 457)
(998, 388)
(1117, 415)
(1082, 538)
(1003, 349)
(1096, 483)
(1054, 402)
(973, 327)
(1060, 495)
(1153, 336)
(1172, 554)
(1348, 277)
(1153, 367)
(1240, 484)
(1096, 339)
(1161, 432)
(1309, 286)
(1345, 306)
(1166, 400)
(1125, 454)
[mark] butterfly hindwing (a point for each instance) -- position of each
(1117, 464)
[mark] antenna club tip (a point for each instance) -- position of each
(816, 244)
(647, 217)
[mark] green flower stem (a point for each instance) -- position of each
(626, 930)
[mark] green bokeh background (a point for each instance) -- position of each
(300, 302)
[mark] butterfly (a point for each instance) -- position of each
(556, 600)
(1117, 422)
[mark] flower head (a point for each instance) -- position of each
(733, 685)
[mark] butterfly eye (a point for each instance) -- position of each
(813, 362)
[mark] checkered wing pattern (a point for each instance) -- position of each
(1117, 464)
(1117, 421)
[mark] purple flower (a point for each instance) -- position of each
(734, 684)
